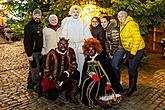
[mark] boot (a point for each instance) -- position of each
(121, 90)
(71, 92)
(130, 78)
(30, 83)
(135, 84)
(132, 86)
(71, 98)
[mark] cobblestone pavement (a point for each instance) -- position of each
(14, 96)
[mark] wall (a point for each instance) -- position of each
(154, 38)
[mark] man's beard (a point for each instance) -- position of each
(37, 20)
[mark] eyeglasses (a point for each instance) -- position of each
(94, 21)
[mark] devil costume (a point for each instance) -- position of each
(58, 63)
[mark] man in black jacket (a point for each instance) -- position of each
(33, 42)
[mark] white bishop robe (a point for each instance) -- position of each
(76, 31)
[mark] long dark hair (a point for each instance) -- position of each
(98, 19)
(107, 18)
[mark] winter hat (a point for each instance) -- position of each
(122, 13)
(52, 17)
(37, 11)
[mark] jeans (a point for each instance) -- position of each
(115, 62)
(34, 76)
(133, 62)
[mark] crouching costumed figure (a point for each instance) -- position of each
(97, 77)
(60, 72)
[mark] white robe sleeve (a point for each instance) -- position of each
(87, 32)
(58, 33)
(64, 26)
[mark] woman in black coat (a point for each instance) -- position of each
(97, 30)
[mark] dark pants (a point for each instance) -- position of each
(34, 74)
(115, 62)
(133, 62)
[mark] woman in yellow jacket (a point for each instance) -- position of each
(133, 44)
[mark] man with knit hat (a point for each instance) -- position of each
(133, 45)
(37, 15)
(33, 42)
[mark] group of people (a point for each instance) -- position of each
(79, 59)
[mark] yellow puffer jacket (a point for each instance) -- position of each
(130, 36)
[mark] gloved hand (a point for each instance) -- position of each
(63, 76)
(108, 87)
(95, 77)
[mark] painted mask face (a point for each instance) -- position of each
(75, 14)
(94, 22)
(104, 23)
(122, 19)
(91, 51)
(62, 45)
(37, 17)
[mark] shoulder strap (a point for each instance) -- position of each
(125, 25)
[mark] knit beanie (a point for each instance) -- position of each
(122, 13)
(37, 11)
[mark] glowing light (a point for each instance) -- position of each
(90, 11)
(1, 6)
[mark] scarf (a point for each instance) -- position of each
(54, 27)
